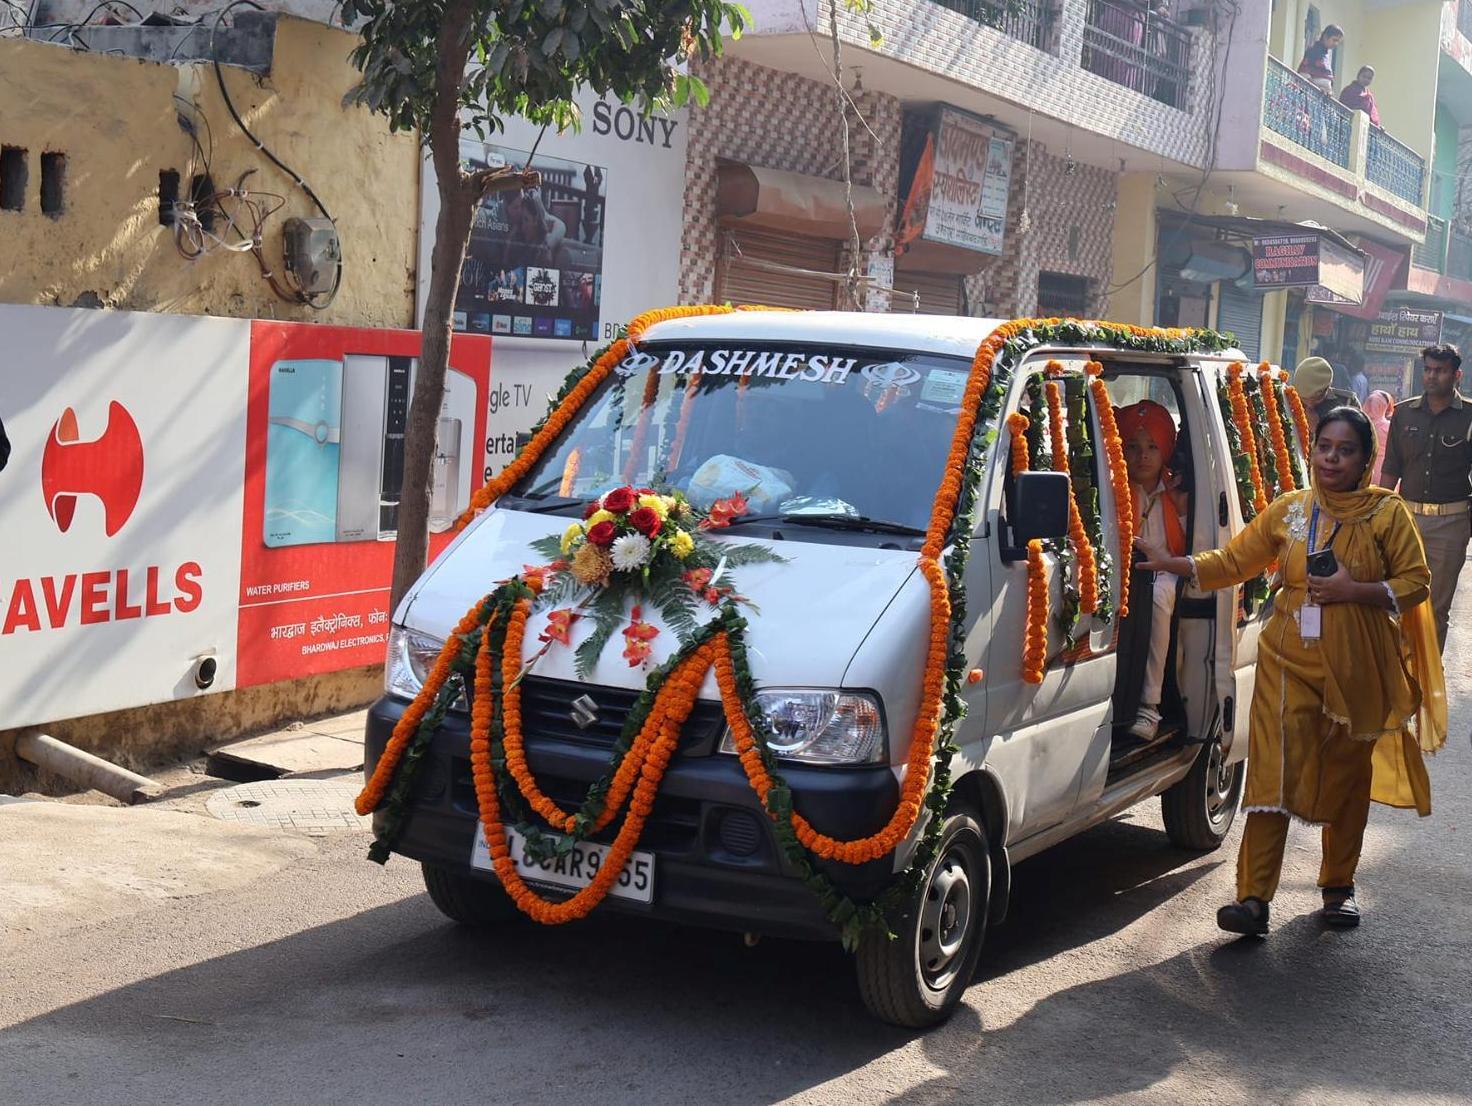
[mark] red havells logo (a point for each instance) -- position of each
(109, 467)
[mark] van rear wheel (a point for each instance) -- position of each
(1199, 811)
(470, 902)
(917, 979)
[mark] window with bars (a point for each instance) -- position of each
(1061, 295)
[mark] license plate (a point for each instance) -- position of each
(573, 871)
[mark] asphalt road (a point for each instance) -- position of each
(311, 976)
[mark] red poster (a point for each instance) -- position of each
(325, 424)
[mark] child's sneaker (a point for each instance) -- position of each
(1146, 724)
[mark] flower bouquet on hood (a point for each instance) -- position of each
(636, 547)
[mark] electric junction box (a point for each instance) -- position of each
(312, 253)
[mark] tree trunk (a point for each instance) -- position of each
(451, 235)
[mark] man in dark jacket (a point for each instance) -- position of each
(1314, 379)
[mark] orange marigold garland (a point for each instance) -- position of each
(1243, 420)
(1276, 437)
(1021, 456)
(1035, 646)
(1119, 480)
(1300, 419)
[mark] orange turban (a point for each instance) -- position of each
(1154, 419)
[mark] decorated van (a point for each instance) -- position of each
(813, 624)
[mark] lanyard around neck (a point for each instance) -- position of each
(1313, 530)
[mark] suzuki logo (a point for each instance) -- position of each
(635, 363)
(109, 467)
(584, 711)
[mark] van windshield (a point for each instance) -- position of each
(842, 433)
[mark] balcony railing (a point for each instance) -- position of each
(1034, 22)
(1126, 43)
(1395, 167)
(1431, 254)
(1307, 115)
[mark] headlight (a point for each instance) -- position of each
(411, 655)
(821, 727)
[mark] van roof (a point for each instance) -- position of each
(943, 334)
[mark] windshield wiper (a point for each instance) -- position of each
(857, 523)
(544, 504)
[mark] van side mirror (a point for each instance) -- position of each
(1039, 508)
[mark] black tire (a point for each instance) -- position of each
(470, 902)
(917, 979)
(1199, 811)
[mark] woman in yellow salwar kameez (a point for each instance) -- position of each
(1349, 685)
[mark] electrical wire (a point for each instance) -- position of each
(301, 296)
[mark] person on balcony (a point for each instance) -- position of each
(1318, 60)
(1357, 94)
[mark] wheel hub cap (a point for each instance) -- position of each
(945, 919)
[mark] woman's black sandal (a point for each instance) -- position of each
(1248, 917)
(1340, 910)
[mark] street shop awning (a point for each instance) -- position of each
(1304, 254)
(754, 195)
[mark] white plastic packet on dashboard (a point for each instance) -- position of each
(723, 476)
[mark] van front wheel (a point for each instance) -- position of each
(1200, 809)
(470, 902)
(917, 978)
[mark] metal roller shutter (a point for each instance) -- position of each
(1241, 313)
(755, 267)
(940, 294)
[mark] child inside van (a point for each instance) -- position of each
(1148, 434)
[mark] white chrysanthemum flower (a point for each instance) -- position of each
(630, 552)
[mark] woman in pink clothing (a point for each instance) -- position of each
(1378, 406)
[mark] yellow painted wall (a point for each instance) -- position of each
(1132, 298)
(114, 118)
(1403, 43)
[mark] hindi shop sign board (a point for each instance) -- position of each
(1404, 330)
(959, 193)
(588, 249)
(120, 505)
(1311, 261)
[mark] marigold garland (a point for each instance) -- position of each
(1021, 456)
(1119, 480)
(1035, 646)
(1088, 569)
(1276, 436)
(1300, 419)
(1243, 418)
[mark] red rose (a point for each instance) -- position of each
(601, 534)
(620, 499)
(645, 521)
(590, 510)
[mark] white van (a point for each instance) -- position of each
(839, 634)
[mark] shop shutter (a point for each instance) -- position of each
(755, 267)
(1291, 326)
(1241, 313)
(940, 294)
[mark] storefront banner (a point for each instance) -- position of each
(596, 243)
(120, 506)
(1404, 330)
(959, 193)
(1308, 261)
(328, 409)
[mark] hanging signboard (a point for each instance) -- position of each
(958, 196)
(1404, 330)
(1382, 264)
(1308, 261)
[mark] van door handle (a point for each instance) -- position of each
(1221, 509)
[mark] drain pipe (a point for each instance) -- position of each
(84, 769)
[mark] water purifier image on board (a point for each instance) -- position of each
(303, 441)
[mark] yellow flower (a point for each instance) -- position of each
(570, 535)
(592, 566)
(659, 504)
(598, 516)
(682, 544)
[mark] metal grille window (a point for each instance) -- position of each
(1060, 295)
(1034, 22)
(778, 270)
(1395, 167)
(1130, 45)
(1306, 115)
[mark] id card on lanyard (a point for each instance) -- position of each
(1311, 615)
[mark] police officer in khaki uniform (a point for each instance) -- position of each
(1428, 450)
